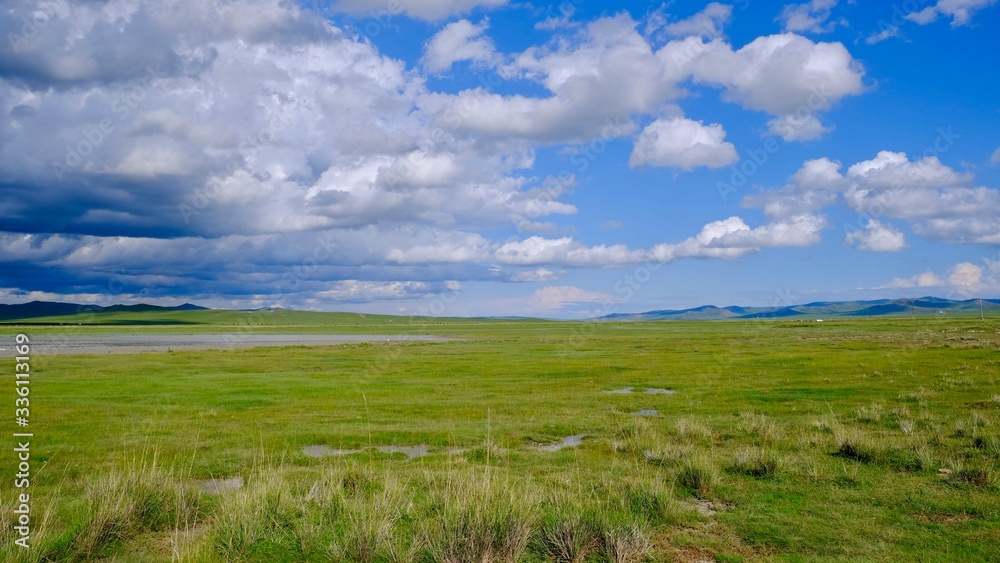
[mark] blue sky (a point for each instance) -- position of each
(489, 157)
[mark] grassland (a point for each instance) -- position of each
(791, 441)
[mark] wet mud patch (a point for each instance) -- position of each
(216, 486)
(567, 442)
(410, 452)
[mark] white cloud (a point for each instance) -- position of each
(732, 237)
(448, 247)
(602, 75)
(810, 17)
(706, 23)
(995, 158)
(429, 10)
(819, 174)
(535, 275)
(814, 186)
(598, 78)
(894, 169)
(932, 196)
(781, 74)
(961, 11)
(355, 291)
(567, 252)
(682, 143)
(966, 277)
(790, 202)
(552, 23)
(557, 297)
(877, 237)
(887, 32)
(797, 127)
(459, 41)
(926, 279)
(728, 238)
(971, 229)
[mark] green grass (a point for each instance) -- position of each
(789, 441)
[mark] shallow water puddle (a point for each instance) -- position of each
(216, 486)
(567, 442)
(623, 391)
(410, 451)
(647, 412)
(323, 451)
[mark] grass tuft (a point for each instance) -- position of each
(755, 462)
(125, 503)
(698, 476)
(569, 537)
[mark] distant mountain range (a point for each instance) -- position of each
(920, 307)
(923, 307)
(36, 309)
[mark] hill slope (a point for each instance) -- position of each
(923, 306)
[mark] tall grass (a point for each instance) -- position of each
(122, 504)
(256, 518)
(477, 518)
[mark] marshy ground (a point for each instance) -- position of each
(773, 440)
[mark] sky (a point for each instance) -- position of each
(498, 157)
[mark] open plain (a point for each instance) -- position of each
(517, 440)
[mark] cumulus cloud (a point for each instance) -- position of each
(459, 41)
(781, 74)
(732, 237)
(977, 227)
(964, 278)
(429, 10)
(728, 238)
(598, 77)
(926, 279)
(567, 252)
(961, 11)
(812, 17)
(877, 237)
(706, 23)
(819, 174)
(535, 275)
(936, 200)
(274, 156)
(682, 143)
(603, 74)
(356, 291)
(792, 127)
(894, 169)
(558, 296)
(995, 158)
(887, 32)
